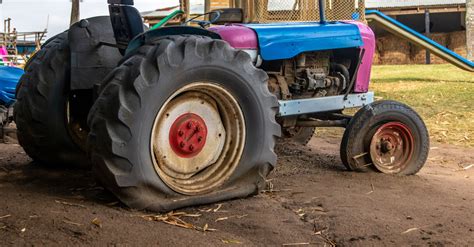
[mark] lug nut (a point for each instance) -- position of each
(199, 139)
(190, 125)
(191, 147)
(182, 144)
(180, 133)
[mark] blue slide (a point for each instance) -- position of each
(413, 36)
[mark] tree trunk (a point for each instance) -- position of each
(470, 29)
(75, 12)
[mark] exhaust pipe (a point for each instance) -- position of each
(322, 14)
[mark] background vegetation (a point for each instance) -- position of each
(442, 94)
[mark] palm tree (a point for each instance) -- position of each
(75, 12)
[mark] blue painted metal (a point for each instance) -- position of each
(286, 40)
(443, 51)
(9, 77)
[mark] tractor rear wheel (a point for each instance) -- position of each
(41, 109)
(386, 136)
(187, 120)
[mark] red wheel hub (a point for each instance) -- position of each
(188, 135)
(392, 146)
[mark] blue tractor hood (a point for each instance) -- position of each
(9, 77)
(286, 40)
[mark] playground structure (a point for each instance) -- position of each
(416, 38)
(16, 47)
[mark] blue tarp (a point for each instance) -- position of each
(9, 77)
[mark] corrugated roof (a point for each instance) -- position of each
(409, 3)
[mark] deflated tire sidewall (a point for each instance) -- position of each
(123, 117)
(159, 93)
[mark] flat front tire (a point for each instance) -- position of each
(386, 136)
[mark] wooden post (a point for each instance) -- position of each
(185, 7)
(207, 8)
(427, 34)
(250, 9)
(75, 12)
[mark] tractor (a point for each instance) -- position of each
(176, 116)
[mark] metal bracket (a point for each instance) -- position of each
(324, 104)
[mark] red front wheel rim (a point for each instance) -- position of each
(392, 147)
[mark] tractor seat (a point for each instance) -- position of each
(127, 22)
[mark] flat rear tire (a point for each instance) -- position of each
(40, 112)
(187, 120)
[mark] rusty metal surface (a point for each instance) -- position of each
(392, 147)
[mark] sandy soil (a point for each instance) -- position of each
(314, 200)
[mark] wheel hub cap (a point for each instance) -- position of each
(391, 147)
(188, 135)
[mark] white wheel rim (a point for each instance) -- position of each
(198, 138)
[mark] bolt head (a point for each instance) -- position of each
(190, 125)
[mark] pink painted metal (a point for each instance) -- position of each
(239, 37)
(363, 77)
(3, 54)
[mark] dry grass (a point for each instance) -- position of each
(442, 94)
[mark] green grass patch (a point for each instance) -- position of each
(442, 94)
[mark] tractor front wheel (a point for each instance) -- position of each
(387, 136)
(187, 120)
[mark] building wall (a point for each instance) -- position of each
(394, 50)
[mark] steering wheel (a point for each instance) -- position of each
(204, 24)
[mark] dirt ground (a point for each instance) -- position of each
(314, 201)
